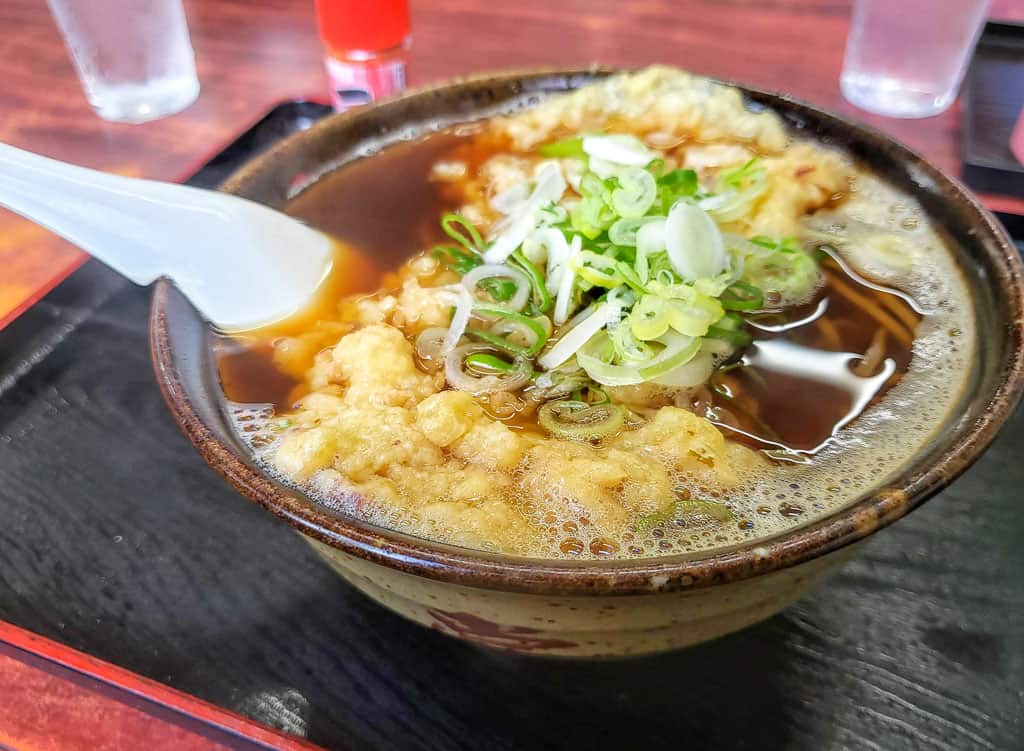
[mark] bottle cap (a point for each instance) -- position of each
(350, 29)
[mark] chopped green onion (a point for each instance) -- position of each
(694, 242)
(734, 177)
(456, 259)
(786, 244)
(782, 267)
(677, 351)
(599, 270)
(676, 306)
(634, 194)
(498, 341)
(541, 297)
(730, 321)
(490, 273)
(729, 329)
(629, 276)
(618, 149)
(738, 339)
(683, 182)
(462, 232)
(548, 187)
(656, 167)
(635, 274)
(513, 323)
(591, 216)
(564, 296)
(713, 286)
(553, 215)
(565, 148)
(648, 522)
(628, 348)
(591, 186)
(679, 183)
(743, 185)
(571, 341)
(489, 363)
(694, 372)
(501, 290)
(624, 231)
(650, 317)
(650, 240)
(579, 421)
(460, 319)
(714, 509)
(517, 376)
(545, 323)
(742, 296)
(561, 381)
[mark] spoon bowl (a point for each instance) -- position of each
(242, 264)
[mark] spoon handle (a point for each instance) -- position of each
(241, 263)
(84, 207)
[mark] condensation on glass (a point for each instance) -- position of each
(906, 58)
(134, 57)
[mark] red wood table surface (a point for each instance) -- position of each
(253, 54)
(56, 699)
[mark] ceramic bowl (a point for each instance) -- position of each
(599, 608)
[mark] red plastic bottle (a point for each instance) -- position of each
(366, 43)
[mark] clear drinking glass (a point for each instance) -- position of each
(906, 58)
(134, 57)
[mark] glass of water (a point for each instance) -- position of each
(134, 57)
(906, 58)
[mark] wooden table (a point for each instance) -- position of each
(117, 540)
(252, 54)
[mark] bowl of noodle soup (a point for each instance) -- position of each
(613, 363)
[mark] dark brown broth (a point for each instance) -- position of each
(386, 205)
(800, 411)
(387, 209)
(382, 210)
(248, 374)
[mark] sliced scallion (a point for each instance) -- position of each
(624, 231)
(541, 297)
(634, 194)
(489, 364)
(625, 150)
(573, 340)
(742, 296)
(730, 330)
(597, 269)
(579, 421)
(694, 242)
(462, 232)
(510, 323)
(565, 148)
(458, 260)
(491, 271)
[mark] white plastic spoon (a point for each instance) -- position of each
(241, 264)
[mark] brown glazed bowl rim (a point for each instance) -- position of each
(963, 438)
